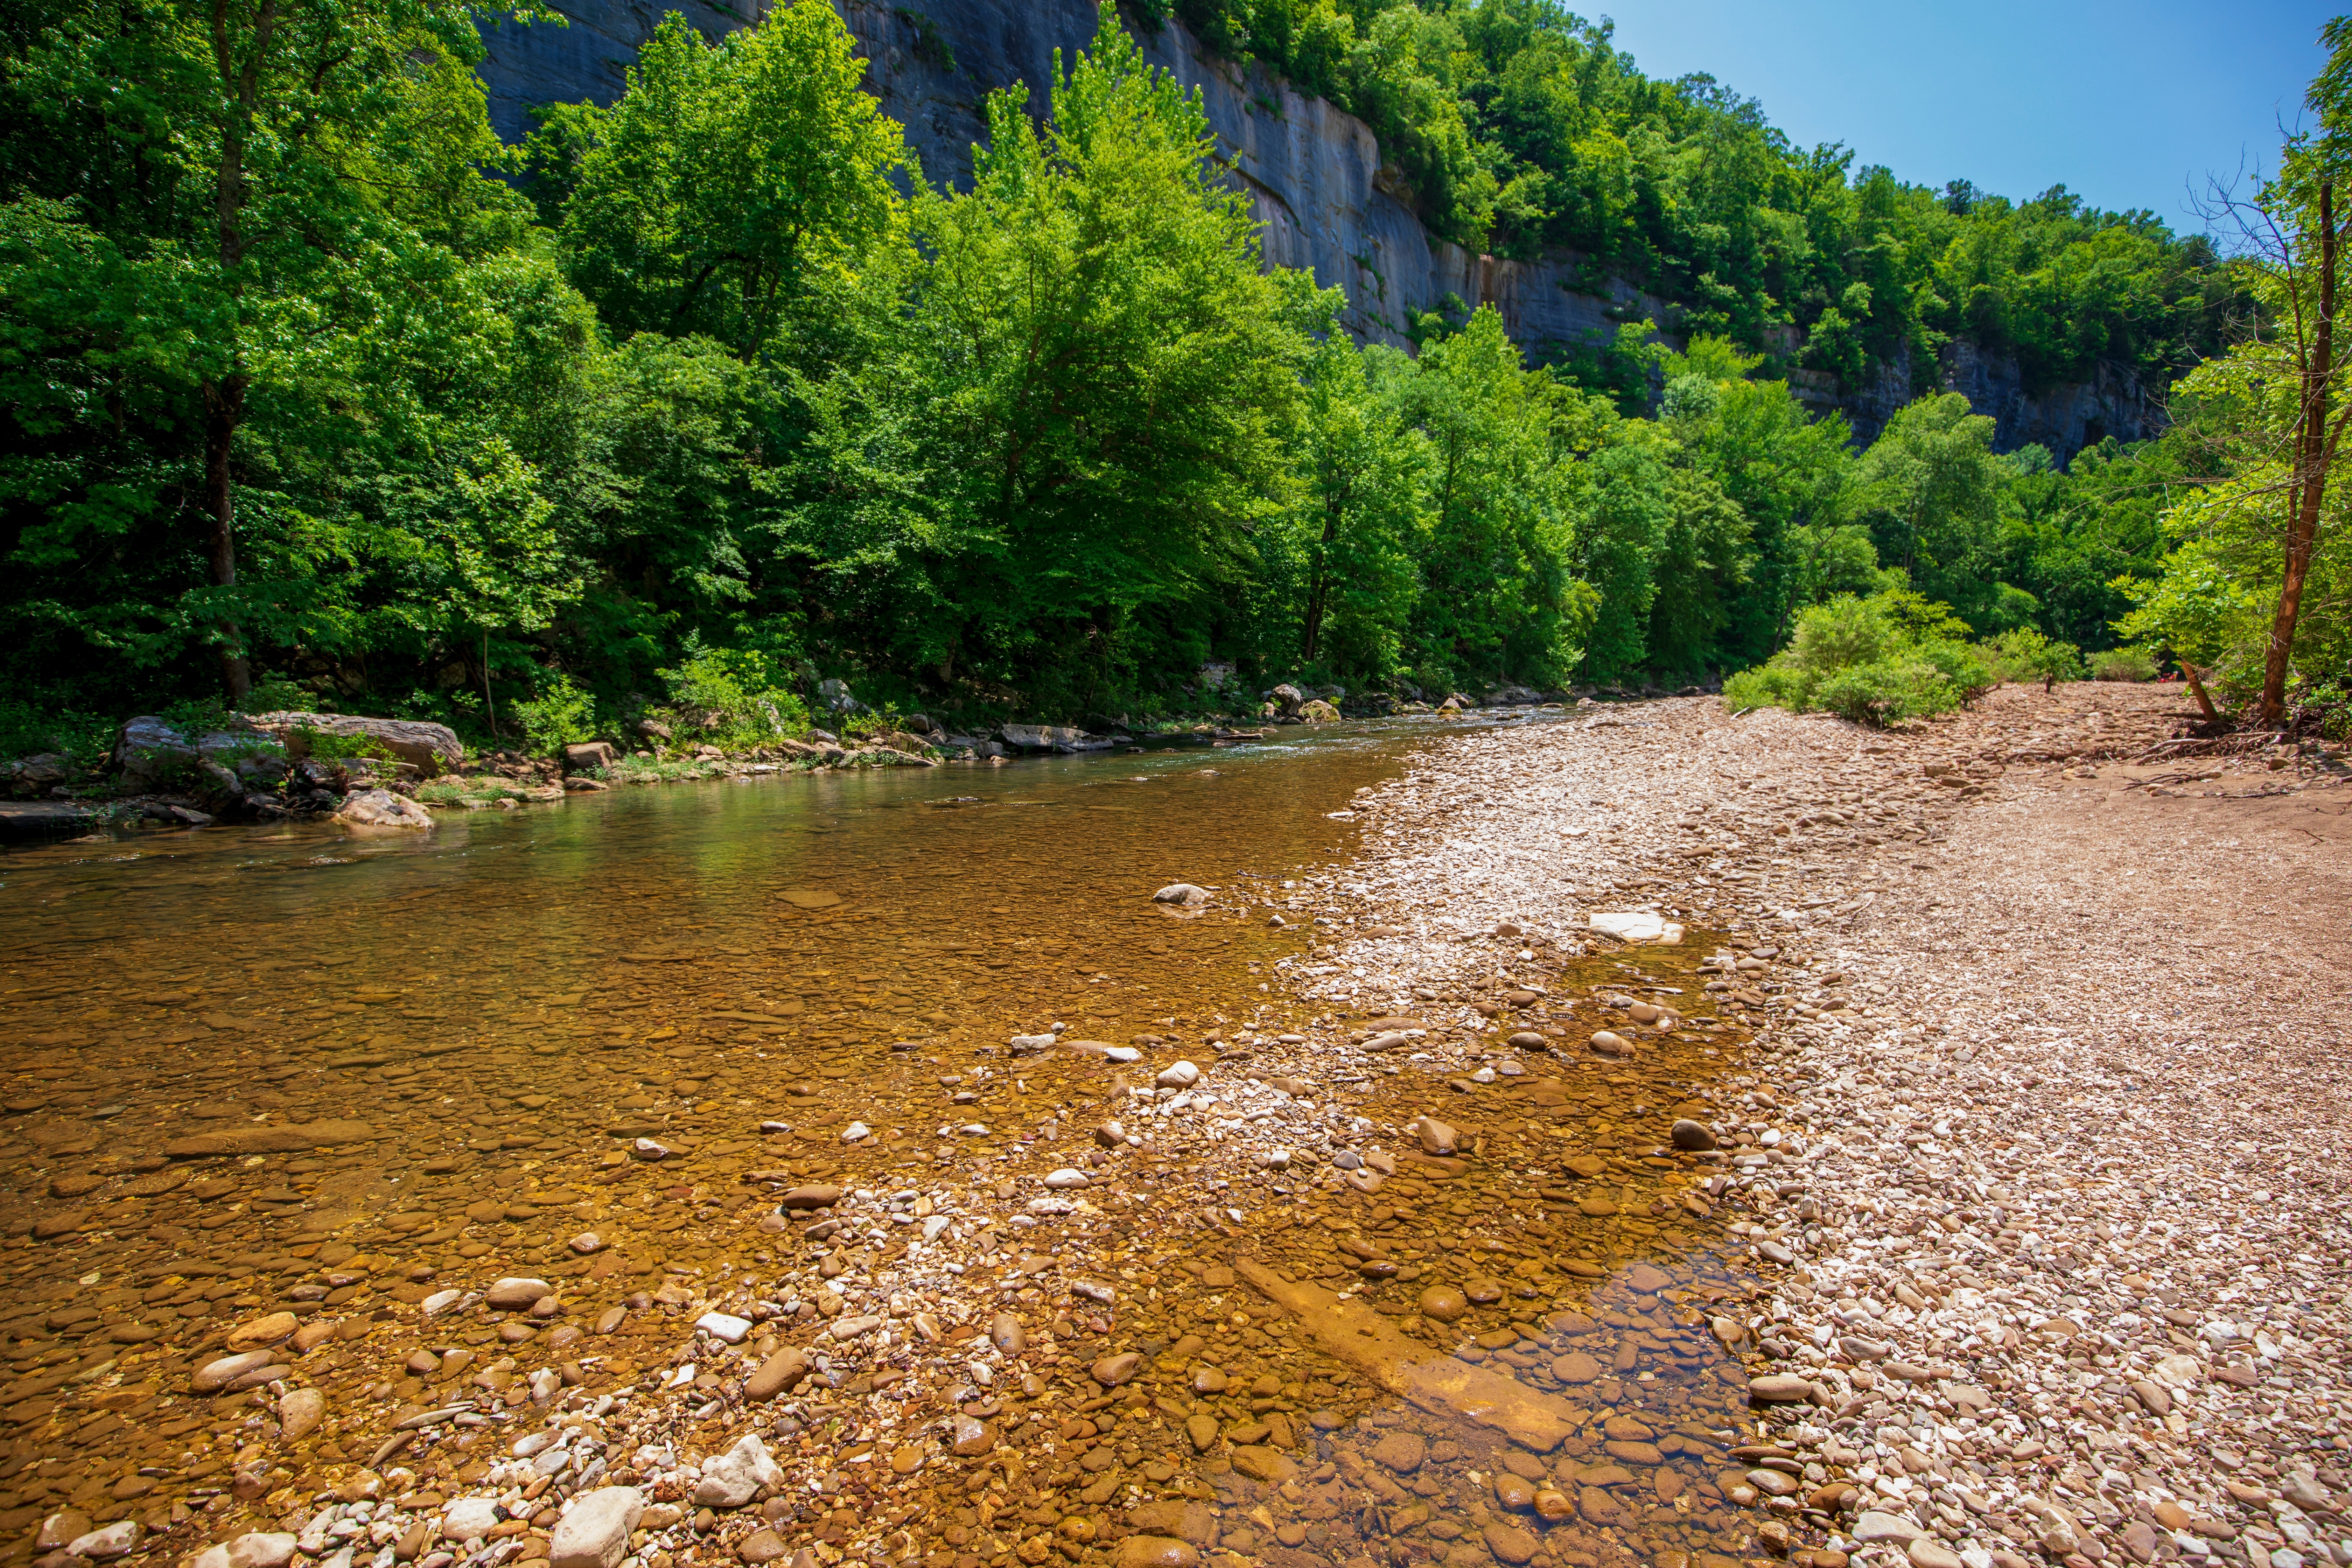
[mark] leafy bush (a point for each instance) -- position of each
(2023, 654)
(1872, 660)
(328, 748)
(558, 716)
(2123, 664)
(734, 699)
(28, 731)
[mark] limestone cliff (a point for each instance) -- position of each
(1313, 173)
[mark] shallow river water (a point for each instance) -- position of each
(296, 1070)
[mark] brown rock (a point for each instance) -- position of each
(1436, 1136)
(1193, 1522)
(1400, 1451)
(762, 1546)
(275, 1329)
(1443, 1303)
(517, 1294)
(1509, 1543)
(779, 1373)
(1271, 1466)
(1693, 1137)
(1576, 1367)
(1114, 1370)
(1155, 1552)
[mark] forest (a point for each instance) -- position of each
(316, 395)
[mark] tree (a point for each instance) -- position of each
(2291, 235)
(244, 176)
(1357, 519)
(727, 179)
(1936, 490)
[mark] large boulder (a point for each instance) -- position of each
(590, 755)
(431, 749)
(1315, 710)
(154, 754)
(1043, 737)
(382, 809)
(1287, 699)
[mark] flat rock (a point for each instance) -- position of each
(275, 1329)
(783, 1371)
(596, 1534)
(284, 1138)
(1261, 1463)
(1875, 1526)
(516, 1293)
(731, 1479)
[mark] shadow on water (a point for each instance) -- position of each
(310, 1071)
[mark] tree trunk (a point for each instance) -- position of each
(223, 412)
(2197, 689)
(2312, 454)
(1320, 585)
(224, 399)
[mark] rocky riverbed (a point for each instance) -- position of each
(1426, 1223)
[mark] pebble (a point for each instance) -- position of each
(1155, 1552)
(779, 1373)
(971, 1437)
(274, 1329)
(515, 1294)
(1006, 1334)
(724, 1326)
(469, 1519)
(299, 1412)
(1066, 1178)
(1693, 1136)
(1443, 1303)
(1178, 1075)
(1509, 1542)
(1400, 1451)
(1112, 1371)
(1436, 1137)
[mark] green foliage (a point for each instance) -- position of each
(1871, 661)
(559, 715)
(734, 699)
(2023, 654)
(731, 394)
(725, 178)
(328, 747)
(2123, 664)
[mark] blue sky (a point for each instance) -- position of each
(2126, 105)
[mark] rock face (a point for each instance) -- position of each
(429, 748)
(1313, 174)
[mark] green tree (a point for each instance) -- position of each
(727, 179)
(230, 188)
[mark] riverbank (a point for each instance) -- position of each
(2058, 1255)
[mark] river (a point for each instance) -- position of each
(296, 1070)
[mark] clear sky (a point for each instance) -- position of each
(2126, 105)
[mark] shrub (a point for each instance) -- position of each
(2123, 664)
(559, 715)
(734, 699)
(325, 748)
(2023, 654)
(1874, 661)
